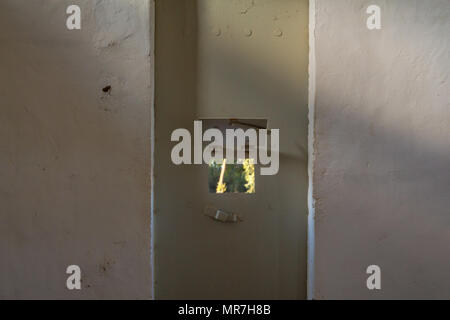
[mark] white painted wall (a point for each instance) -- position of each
(382, 137)
(74, 161)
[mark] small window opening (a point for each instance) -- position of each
(237, 177)
(232, 178)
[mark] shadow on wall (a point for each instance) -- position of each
(175, 101)
(382, 158)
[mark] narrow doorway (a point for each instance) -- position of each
(227, 60)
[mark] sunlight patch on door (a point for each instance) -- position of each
(226, 177)
(236, 177)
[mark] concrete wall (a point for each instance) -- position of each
(382, 133)
(75, 161)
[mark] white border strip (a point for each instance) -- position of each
(311, 155)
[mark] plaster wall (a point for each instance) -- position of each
(74, 160)
(382, 132)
